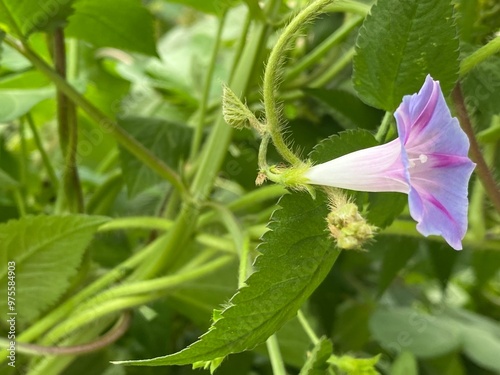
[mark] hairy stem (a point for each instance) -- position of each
(271, 78)
(482, 169)
(489, 49)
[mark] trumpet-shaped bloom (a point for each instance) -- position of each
(428, 161)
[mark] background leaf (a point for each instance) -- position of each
(47, 251)
(297, 254)
(124, 24)
(213, 6)
(168, 141)
(401, 42)
(316, 363)
(16, 103)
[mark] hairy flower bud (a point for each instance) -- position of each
(237, 114)
(347, 226)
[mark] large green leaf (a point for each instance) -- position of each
(297, 254)
(22, 17)
(316, 363)
(401, 42)
(123, 24)
(168, 141)
(16, 103)
(424, 335)
(46, 251)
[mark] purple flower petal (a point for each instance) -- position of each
(430, 164)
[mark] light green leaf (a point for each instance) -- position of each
(297, 254)
(168, 141)
(401, 42)
(124, 24)
(316, 363)
(482, 347)
(424, 335)
(22, 17)
(405, 364)
(16, 103)
(47, 251)
(213, 6)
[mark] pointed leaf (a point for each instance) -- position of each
(443, 260)
(168, 141)
(16, 103)
(401, 42)
(124, 24)
(316, 363)
(297, 254)
(47, 251)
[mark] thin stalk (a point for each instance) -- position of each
(198, 131)
(23, 164)
(271, 78)
(323, 48)
(273, 349)
(307, 327)
(68, 132)
(384, 127)
(489, 49)
(335, 69)
(105, 123)
(45, 158)
(482, 169)
(18, 198)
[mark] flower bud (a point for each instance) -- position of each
(237, 114)
(347, 226)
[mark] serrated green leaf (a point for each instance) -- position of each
(124, 24)
(22, 17)
(316, 363)
(347, 109)
(426, 336)
(16, 103)
(168, 141)
(341, 144)
(297, 254)
(47, 251)
(397, 253)
(401, 42)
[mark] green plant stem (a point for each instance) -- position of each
(105, 123)
(321, 50)
(45, 158)
(482, 169)
(334, 69)
(273, 349)
(489, 49)
(271, 78)
(68, 132)
(18, 198)
(350, 6)
(384, 127)
(87, 316)
(492, 134)
(105, 194)
(307, 327)
(23, 164)
(161, 284)
(198, 132)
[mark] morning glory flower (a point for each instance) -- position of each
(428, 161)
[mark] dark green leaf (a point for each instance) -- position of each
(7, 182)
(347, 109)
(443, 259)
(316, 363)
(424, 335)
(47, 251)
(124, 24)
(22, 17)
(168, 141)
(297, 254)
(344, 143)
(385, 207)
(401, 42)
(397, 253)
(486, 264)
